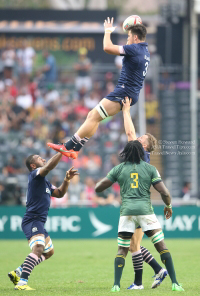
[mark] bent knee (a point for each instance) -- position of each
(94, 115)
(90, 114)
(122, 251)
(135, 241)
(38, 250)
(49, 254)
(134, 246)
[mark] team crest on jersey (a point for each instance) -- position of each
(48, 191)
(34, 229)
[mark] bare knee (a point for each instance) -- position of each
(160, 246)
(90, 114)
(122, 251)
(94, 116)
(38, 250)
(136, 240)
(134, 246)
(49, 254)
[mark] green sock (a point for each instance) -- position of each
(167, 260)
(119, 265)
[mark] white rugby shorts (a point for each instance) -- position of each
(130, 223)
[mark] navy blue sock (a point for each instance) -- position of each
(137, 260)
(80, 145)
(72, 142)
(148, 258)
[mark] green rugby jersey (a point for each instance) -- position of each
(135, 181)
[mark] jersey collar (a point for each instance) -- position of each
(144, 43)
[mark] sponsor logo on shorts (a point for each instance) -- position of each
(119, 98)
(34, 229)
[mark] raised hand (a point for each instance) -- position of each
(108, 25)
(126, 104)
(71, 173)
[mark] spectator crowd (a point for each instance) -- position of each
(40, 104)
(36, 107)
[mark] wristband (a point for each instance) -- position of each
(169, 206)
(110, 30)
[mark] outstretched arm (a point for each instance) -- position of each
(103, 185)
(108, 46)
(50, 165)
(60, 191)
(128, 124)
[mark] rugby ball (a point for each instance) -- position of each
(131, 21)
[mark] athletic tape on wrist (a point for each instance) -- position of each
(110, 30)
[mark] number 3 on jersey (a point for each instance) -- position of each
(146, 68)
(134, 176)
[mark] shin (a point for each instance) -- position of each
(123, 247)
(157, 237)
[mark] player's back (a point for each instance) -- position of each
(135, 64)
(135, 181)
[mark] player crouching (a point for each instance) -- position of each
(37, 205)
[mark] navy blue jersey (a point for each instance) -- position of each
(38, 196)
(147, 156)
(134, 68)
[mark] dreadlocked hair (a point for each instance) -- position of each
(133, 152)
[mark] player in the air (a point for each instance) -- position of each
(138, 252)
(37, 205)
(135, 64)
(135, 178)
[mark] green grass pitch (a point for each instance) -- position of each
(86, 267)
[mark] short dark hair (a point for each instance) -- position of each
(133, 152)
(139, 30)
(29, 161)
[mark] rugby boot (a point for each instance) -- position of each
(176, 287)
(13, 277)
(159, 278)
(115, 288)
(61, 148)
(23, 287)
(135, 287)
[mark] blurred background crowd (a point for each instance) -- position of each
(38, 106)
(41, 101)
